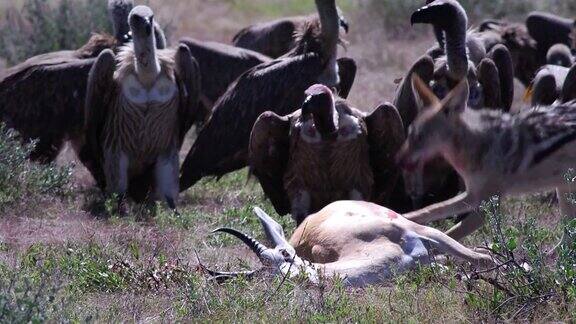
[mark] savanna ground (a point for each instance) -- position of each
(64, 256)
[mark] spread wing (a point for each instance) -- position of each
(188, 79)
(490, 81)
(404, 98)
(43, 98)
(503, 61)
(222, 145)
(347, 72)
(268, 157)
(99, 94)
(385, 137)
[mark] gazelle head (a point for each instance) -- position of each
(281, 259)
(432, 132)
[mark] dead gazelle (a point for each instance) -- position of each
(360, 242)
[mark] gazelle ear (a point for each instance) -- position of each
(273, 230)
(425, 98)
(457, 98)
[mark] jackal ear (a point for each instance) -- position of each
(457, 98)
(425, 98)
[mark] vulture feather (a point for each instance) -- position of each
(276, 38)
(138, 111)
(278, 86)
(324, 152)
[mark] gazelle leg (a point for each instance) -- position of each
(460, 204)
(450, 246)
(467, 226)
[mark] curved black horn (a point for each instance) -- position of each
(257, 247)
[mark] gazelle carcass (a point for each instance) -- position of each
(494, 152)
(360, 242)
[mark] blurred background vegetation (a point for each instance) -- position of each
(30, 27)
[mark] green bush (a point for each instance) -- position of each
(41, 27)
(21, 178)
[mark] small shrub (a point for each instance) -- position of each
(21, 178)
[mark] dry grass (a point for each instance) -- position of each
(102, 268)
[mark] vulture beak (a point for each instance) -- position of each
(141, 21)
(320, 104)
(438, 11)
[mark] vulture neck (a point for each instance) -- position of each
(147, 64)
(330, 29)
(456, 54)
(326, 121)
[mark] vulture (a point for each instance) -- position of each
(139, 107)
(221, 64)
(324, 152)
(42, 98)
(277, 86)
(276, 38)
(548, 30)
(552, 83)
(490, 76)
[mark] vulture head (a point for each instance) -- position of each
(118, 10)
(280, 259)
(142, 26)
(561, 55)
(319, 105)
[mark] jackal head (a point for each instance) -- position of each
(281, 259)
(432, 133)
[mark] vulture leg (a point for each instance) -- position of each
(490, 81)
(503, 60)
(47, 149)
(166, 178)
(347, 74)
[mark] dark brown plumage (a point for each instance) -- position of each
(324, 152)
(278, 86)
(42, 98)
(138, 111)
(276, 38)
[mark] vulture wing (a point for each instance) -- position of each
(220, 65)
(569, 88)
(490, 81)
(404, 98)
(503, 61)
(188, 79)
(385, 137)
(269, 150)
(222, 145)
(99, 93)
(43, 97)
(347, 72)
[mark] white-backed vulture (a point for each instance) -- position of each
(42, 98)
(553, 83)
(138, 111)
(324, 152)
(277, 86)
(276, 38)
(490, 77)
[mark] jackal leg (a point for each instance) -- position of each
(467, 226)
(460, 204)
